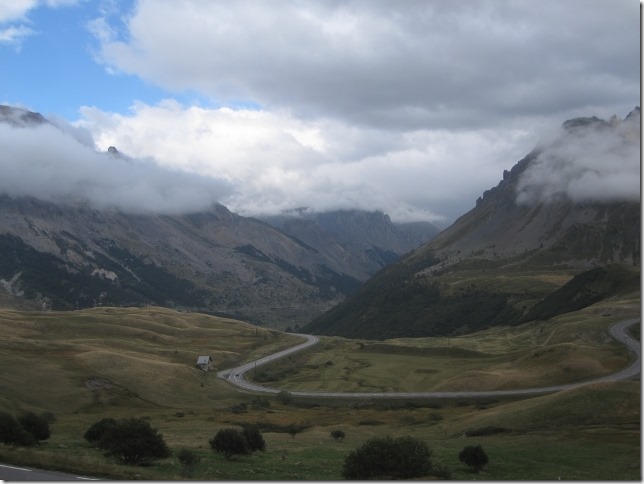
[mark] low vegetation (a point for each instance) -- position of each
(474, 295)
(473, 456)
(137, 365)
(131, 441)
(388, 458)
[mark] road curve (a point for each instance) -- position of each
(235, 376)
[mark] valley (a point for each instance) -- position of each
(122, 362)
(504, 330)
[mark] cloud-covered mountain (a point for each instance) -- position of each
(57, 162)
(562, 227)
(80, 228)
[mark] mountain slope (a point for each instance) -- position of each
(67, 253)
(504, 256)
(361, 242)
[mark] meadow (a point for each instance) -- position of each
(129, 362)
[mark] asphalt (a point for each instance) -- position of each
(235, 376)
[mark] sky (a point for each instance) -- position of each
(410, 107)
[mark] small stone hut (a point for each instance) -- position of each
(204, 363)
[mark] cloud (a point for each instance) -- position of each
(14, 35)
(413, 108)
(276, 161)
(389, 65)
(596, 161)
(58, 165)
(15, 12)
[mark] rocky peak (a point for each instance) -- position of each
(20, 117)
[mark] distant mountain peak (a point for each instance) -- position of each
(20, 117)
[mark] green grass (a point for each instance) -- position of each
(569, 348)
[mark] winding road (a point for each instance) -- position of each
(235, 376)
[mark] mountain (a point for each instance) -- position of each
(70, 254)
(525, 251)
(362, 242)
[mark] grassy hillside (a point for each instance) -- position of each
(107, 362)
(571, 347)
(70, 361)
(416, 299)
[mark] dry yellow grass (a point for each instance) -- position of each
(65, 361)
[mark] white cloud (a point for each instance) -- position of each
(597, 162)
(63, 169)
(276, 161)
(14, 35)
(11, 10)
(414, 108)
(14, 14)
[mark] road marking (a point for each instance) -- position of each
(16, 468)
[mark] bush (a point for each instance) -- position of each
(229, 442)
(337, 435)
(131, 441)
(12, 433)
(188, 457)
(36, 425)
(388, 458)
(96, 431)
(254, 438)
(285, 397)
(473, 456)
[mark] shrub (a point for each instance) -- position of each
(131, 441)
(260, 402)
(254, 438)
(484, 431)
(337, 435)
(294, 429)
(239, 408)
(473, 456)
(36, 425)
(229, 442)
(388, 458)
(188, 457)
(96, 431)
(285, 397)
(12, 433)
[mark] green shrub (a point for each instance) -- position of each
(388, 458)
(131, 441)
(188, 457)
(96, 431)
(484, 431)
(285, 397)
(474, 457)
(12, 433)
(229, 442)
(338, 435)
(36, 425)
(254, 438)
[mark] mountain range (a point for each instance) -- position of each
(281, 271)
(518, 255)
(524, 252)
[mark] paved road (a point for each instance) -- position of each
(235, 376)
(15, 473)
